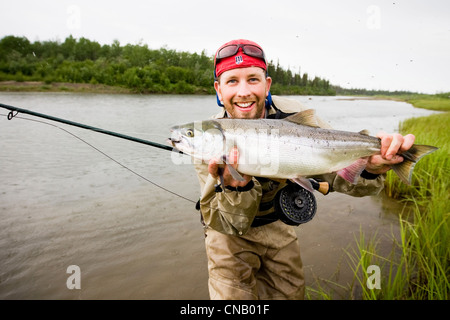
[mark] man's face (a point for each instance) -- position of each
(243, 92)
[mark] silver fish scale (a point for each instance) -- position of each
(282, 149)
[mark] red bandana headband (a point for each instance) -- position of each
(240, 59)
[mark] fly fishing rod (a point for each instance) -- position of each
(14, 111)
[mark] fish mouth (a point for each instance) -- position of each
(175, 137)
(172, 142)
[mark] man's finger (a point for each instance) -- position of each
(385, 142)
(394, 147)
(408, 142)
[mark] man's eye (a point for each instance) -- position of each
(231, 81)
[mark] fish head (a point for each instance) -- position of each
(201, 139)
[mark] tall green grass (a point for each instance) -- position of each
(394, 273)
(418, 267)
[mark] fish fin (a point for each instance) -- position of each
(236, 175)
(405, 168)
(353, 171)
(304, 182)
(364, 132)
(417, 151)
(306, 117)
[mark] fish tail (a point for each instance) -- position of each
(405, 169)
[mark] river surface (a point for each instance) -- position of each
(64, 203)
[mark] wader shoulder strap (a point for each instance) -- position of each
(279, 114)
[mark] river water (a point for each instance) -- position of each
(64, 203)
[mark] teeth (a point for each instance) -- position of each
(244, 104)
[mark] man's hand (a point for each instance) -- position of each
(217, 168)
(392, 145)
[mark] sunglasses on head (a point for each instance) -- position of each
(232, 49)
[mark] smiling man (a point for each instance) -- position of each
(251, 253)
(244, 92)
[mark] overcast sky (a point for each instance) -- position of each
(383, 45)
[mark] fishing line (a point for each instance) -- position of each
(12, 115)
(106, 155)
(9, 117)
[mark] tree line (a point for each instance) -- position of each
(136, 67)
(367, 92)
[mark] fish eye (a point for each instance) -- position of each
(190, 133)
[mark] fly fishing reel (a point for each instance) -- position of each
(295, 205)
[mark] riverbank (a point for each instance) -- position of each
(40, 86)
(436, 102)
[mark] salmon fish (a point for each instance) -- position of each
(291, 148)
